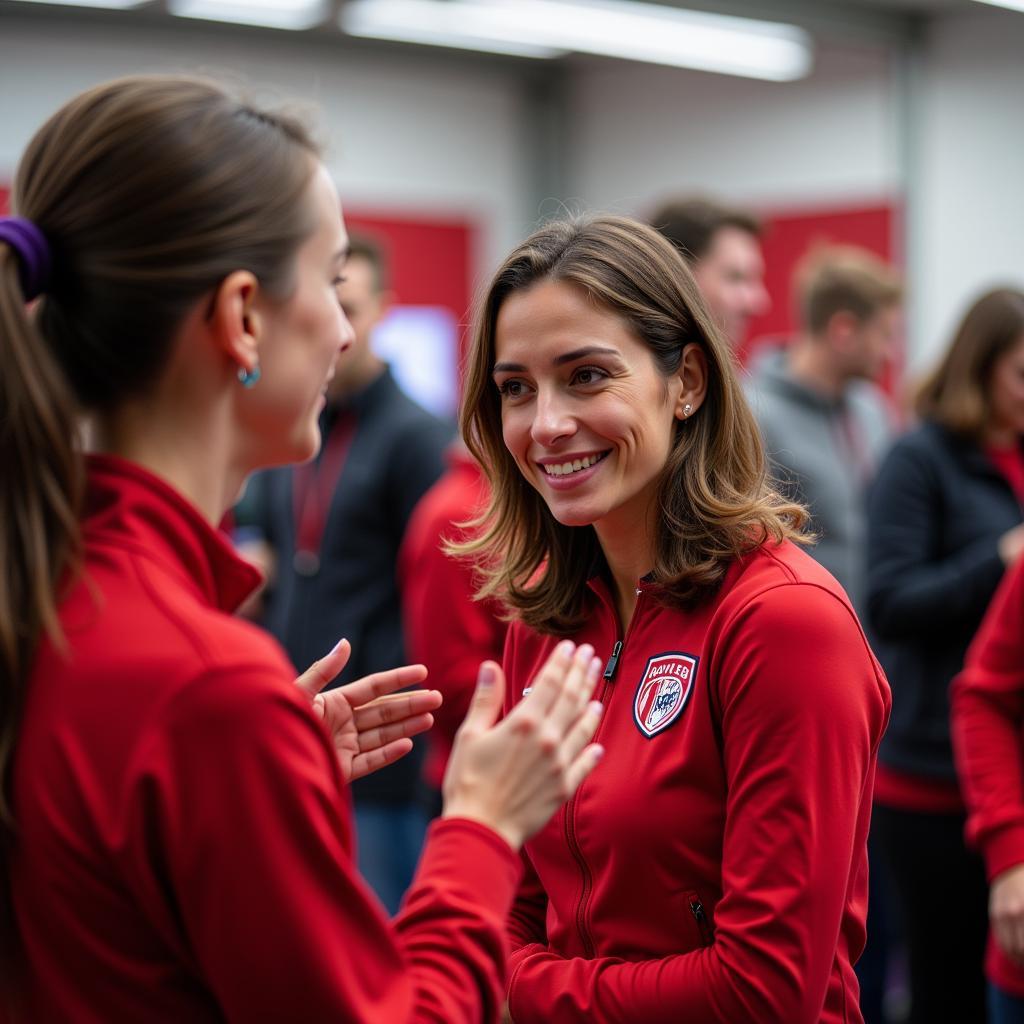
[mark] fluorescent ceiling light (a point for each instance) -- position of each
(295, 15)
(1012, 5)
(463, 26)
(107, 5)
(614, 28)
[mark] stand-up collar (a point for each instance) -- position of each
(134, 508)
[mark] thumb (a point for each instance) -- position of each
(487, 697)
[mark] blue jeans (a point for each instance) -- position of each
(1004, 1008)
(389, 838)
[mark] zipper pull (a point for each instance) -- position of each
(613, 661)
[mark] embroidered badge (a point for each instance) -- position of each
(663, 691)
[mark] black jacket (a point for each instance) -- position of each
(936, 512)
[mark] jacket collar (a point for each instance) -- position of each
(135, 508)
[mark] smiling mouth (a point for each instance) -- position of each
(573, 466)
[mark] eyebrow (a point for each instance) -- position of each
(566, 357)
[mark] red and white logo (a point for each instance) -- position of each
(664, 690)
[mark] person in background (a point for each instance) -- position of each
(714, 867)
(988, 723)
(722, 245)
(446, 629)
(334, 528)
(175, 834)
(944, 522)
(825, 423)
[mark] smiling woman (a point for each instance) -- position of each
(713, 867)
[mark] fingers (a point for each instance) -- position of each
(382, 735)
(369, 688)
(582, 732)
(395, 707)
(321, 672)
(549, 681)
(487, 698)
(587, 761)
(364, 764)
(577, 688)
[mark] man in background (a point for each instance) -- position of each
(722, 246)
(824, 420)
(335, 527)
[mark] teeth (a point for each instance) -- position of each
(575, 466)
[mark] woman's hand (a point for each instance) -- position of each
(1006, 911)
(369, 724)
(514, 775)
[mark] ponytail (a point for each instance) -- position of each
(39, 502)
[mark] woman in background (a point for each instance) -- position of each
(944, 522)
(713, 867)
(176, 835)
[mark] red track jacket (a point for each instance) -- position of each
(184, 850)
(988, 716)
(713, 867)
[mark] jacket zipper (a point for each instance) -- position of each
(701, 917)
(572, 842)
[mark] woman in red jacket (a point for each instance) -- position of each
(713, 867)
(176, 841)
(987, 718)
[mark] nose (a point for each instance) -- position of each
(552, 419)
(348, 334)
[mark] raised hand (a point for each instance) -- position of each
(514, 775)
(370, 725)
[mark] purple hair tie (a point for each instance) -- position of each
(33, 251)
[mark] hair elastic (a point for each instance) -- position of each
(33, 251)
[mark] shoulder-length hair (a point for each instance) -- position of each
(956, 393)
(714, 499)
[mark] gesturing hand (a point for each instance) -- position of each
(514, 775)
(369, 724)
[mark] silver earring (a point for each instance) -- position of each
(687, 409)
(249, 378)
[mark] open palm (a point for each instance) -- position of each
(370, 725)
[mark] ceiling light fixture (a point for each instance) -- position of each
(293, 15)
(650, 33)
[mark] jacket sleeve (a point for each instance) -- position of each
(802, 707)
(243, 802)
(987, 719)
(416, 462)
(911, 590)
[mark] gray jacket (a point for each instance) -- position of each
(823, 452)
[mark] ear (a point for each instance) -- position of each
(841, 330)
(235, 321)
(692, 376)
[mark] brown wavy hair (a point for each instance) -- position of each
(957, 392)
(150, 191)
(715, 502)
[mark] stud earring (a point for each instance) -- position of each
(687, 409)
(249, 378)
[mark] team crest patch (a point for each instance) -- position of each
(664, 691)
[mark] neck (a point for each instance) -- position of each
(629, 553)
(811, 363)
(188, 452)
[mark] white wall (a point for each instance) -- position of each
(641, 134)
(971, 171)
(404, 134)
